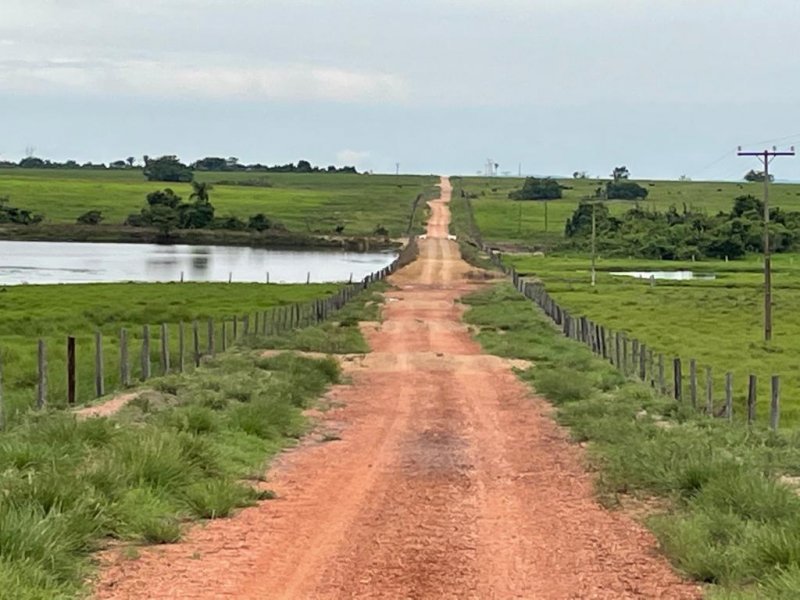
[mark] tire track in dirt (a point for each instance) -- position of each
(450, 481)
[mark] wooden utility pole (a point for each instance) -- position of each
(594, 244)
(766, 157)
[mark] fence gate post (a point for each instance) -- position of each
(164, 349)
(145, 352)
(729, 396)
(181, 348)
(677, 376)
(751, 399)
(124, 373)
(99, 379)
(71, 371)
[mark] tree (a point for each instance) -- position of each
(756, 176)
(303, 166)
(130, 160)
(92, 217)
(200, 190)
(537, 189)
(167, 168)
(118, 164)
(165, 197)
(579, 175)
(620, 173)
(211, 163)
(32, 162)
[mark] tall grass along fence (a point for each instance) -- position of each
(155, 350)
(670, 375)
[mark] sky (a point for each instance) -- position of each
(545, 87)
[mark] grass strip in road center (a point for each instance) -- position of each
(731, 516)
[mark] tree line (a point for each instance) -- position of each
(683, 234)
(171, 168)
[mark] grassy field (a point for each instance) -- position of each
(719, 322)
(523, 223)
(52, 312)
(190, 447)
(304, 203)
(724, 518)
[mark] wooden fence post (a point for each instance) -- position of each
(235, 328)
(124, 372)
(164, 349)
(693, 381)
(625, 355)
(99, 379)
(2, 402)
(257, 324)
(709, 391)
(72, 379)
(662, 381)
(41, 389)
(224, 334)
(775, 403)
(211, 334)
(729, 396)
(181, 348)
(196, 336)
(145, 352)
(635, 356)
(677, 377)
(643, 362)
(652, 367)
(751, 399)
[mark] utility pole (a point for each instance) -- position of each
(594, 244)
(397, 168)
(766, 157)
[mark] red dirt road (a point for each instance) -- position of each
(450, 481)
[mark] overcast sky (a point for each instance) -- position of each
(666, 87)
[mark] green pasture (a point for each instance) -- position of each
(502, 220)
(53, 312)
(719, 322)
(314, 203)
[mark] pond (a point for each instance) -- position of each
(669, 275)
(75, 262)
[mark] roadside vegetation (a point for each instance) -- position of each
(721, 497)
(189, 447)
(53, 312)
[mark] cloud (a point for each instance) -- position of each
(162, 79)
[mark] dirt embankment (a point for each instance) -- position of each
(449, 481)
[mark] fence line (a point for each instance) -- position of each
(272, 321)
(643, 362)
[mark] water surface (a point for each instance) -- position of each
(77, 262)
(668, 275)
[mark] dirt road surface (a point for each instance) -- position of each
(450, 481)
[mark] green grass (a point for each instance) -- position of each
(728, 521)
(304, 203)
(68, 487)
(719, 323)
(52, 312)
(506, 221)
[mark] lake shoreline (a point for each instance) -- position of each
(277, 240)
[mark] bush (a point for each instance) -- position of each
(537, 189)
(625, 190)
(92, 217)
